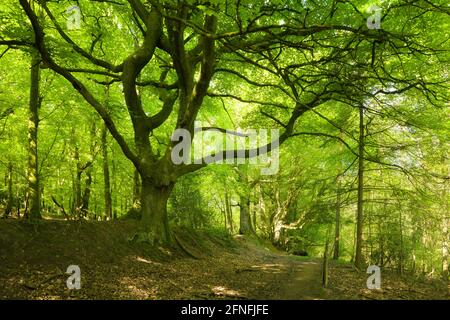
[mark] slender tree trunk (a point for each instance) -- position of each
(359, 259)
(71, 202)
(445, 226)
(261, 205)
(325, 265)
(18, 202)
(114, 186)
(445, 234)
(34, 202)
(43, 207)
(401, 258)
(88, 184)
(414, 247)
(229, 212)
(253, 211)
(77, 184)
(381, 238)
(225, 220)
(87, 192)
(337, 227)
(106, 176)
(337, 220)
(9, 185)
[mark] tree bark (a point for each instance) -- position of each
(245, 221)
(401, 257)
(359, 259)
(229, 212)
(337, 220)
(154, 220)
(445, 234)
(337, 227)
(253, 213)
(88, 184)
(34, 203)
(106, 176)
(136, 191)
(325, 265)
(77, 202)
(87, 192)
(445, 225)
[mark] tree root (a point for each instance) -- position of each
(148, 238)
(142, 237)
(183, 247)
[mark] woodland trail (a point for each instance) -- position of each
(113, 269)
(290, 277)
(302, 282)
(224, 268)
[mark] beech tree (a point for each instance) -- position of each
(298, 56)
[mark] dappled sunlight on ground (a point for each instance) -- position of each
(138, 288)
(273, 268)
(140, 259)
(223, 291)
(347, 283)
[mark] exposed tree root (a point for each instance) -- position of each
(183, 247)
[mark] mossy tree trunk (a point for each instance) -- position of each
(154, 221)
(245, 221)
(34, 203)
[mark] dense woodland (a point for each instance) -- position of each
(87, 114)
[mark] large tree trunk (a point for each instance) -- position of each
(154, 221)
(34, 203)
(359, 259)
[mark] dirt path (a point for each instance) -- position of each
(302, 282)
(289, 277)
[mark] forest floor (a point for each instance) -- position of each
(34, 258)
